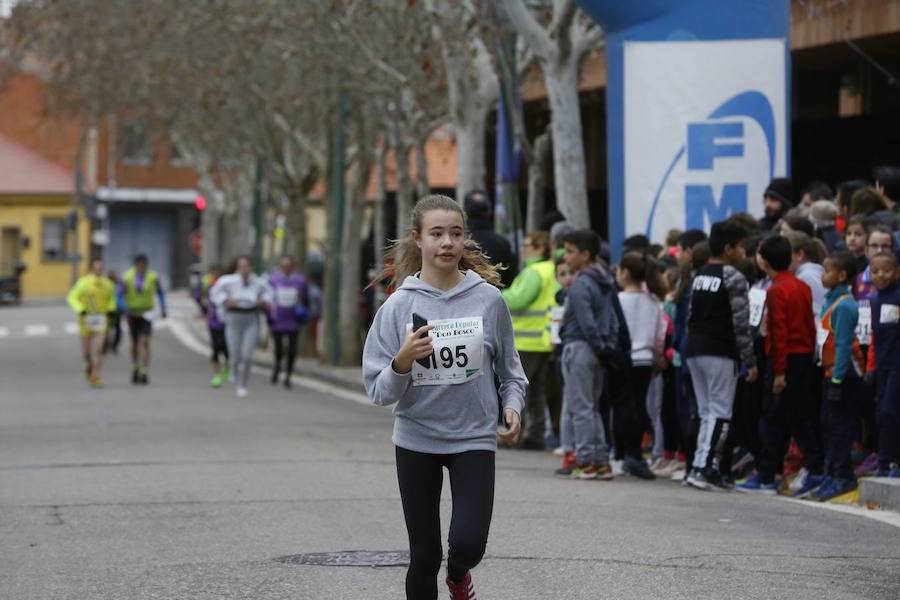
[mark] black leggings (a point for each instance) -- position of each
(280, 338)
(630, 420)
(421, 477)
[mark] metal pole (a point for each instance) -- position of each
(258, 217)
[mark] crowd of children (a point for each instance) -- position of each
(762, 358)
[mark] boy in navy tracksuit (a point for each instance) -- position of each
(842, 362)
(885, 361)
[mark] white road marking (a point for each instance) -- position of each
(36, 330)
(184, 335)
(4, 332)
(71, 328)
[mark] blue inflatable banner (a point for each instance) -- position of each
(697, 108)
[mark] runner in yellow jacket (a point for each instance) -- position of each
(92, 298)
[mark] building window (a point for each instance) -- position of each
(53, 239)
(135, 142)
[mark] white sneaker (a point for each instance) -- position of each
(658, 464)
(241, 392)
(799, 480)
(678, 475)
(559, 451)
(673, 466)
(617, 467)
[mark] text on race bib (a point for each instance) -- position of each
(458, 353)
(556, 317)
(757, 306)
(890, 313)
(821, 337)
(286, 296)
(864, 326)
(95, 322)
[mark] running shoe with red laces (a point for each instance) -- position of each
(568, 464)
(462, 590)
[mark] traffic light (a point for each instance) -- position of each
(200, 203)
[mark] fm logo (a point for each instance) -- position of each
(715, 138)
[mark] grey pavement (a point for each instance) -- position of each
(179, 491)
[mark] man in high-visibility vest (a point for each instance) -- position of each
(530, 298)
(137, 293)
(93, 298)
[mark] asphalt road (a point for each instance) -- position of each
(179, 491)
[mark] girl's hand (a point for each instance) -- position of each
(230, 303)
(416, 345)
(513, 425)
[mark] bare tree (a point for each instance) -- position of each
(559, 48)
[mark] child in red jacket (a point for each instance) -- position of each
(790, 350)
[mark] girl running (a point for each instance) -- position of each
(441, 377)
(243, 295)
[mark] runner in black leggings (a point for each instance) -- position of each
(441, 375)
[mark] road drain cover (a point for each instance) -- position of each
(349, 558)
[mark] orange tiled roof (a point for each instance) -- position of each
(24, 172)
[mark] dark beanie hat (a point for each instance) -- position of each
(782, 189)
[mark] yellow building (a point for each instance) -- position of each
(35, 209)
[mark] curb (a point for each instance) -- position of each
(881, 491)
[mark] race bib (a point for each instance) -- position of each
(556, 318)
(95, 322)
(821, 338)
(245, 297)
(286, 296)
(864, 326)
(757, 306)
(890, 313)
(458, 352)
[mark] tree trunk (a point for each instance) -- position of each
(568, 148)
(348, 325)
(404, 186)
(378, 236)
(296, 225)
(537, 181)
(422, 187)
(470, 151)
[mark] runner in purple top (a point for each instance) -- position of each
(287, 315)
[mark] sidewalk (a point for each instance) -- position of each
(347, 378)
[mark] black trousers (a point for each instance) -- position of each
(788, 413)
(421, 477)
(671, 428)
(839, 426)
(285, 340)
(534, 419)
(628, 389)
(688, 418)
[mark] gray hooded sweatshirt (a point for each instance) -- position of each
(448, 418)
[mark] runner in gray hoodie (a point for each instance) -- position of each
(441, 377)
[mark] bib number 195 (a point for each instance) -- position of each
(450, 356)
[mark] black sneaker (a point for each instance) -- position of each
(135, 376)
(145, 378)
(287, 383)
(275, 375)
(638, 468)
(719, 483)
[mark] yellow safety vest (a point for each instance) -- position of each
(92, 294)
(531, 326)
(139, 302)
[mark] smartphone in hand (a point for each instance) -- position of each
(418, 322)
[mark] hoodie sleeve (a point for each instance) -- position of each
(738, 294)
(384, 386)
(843, 324)
(524, 290)
(74, 297)
(507, 365)
(600, 333)
(218, 293)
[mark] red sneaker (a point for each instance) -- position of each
(568, 464)
(462, 590)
